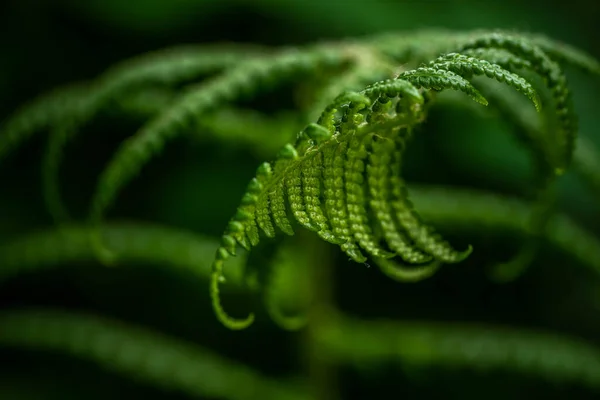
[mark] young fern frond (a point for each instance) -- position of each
(333, 153)
(244, 79)
(540, 55)
(342, 178)
(359, 103)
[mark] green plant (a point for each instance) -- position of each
(356, 104)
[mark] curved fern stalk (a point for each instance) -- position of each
(80, 102)
(333, 154)
(244, 80)
(135, 242)
(552, 357)
(146, 356)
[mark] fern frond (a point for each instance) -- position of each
(47, 110)
(467, 66)
(459, 345)
(143, 355)
(530, 51)
(335, 152)
(261, 134)
(244, 80)
(66, 111)
(132, 242)
(546, 150)
(80, 102)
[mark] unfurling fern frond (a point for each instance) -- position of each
(351, 158)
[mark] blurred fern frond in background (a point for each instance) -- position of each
(437, 185)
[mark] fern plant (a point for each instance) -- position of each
(342, 177)
(336, 175)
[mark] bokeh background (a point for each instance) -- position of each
(196, 184)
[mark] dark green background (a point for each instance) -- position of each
(49, 43)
